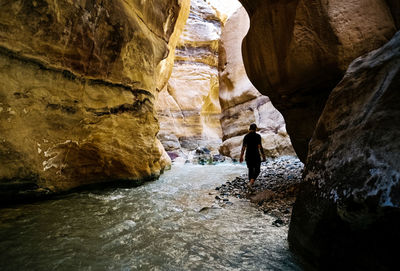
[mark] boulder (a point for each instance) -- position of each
(347, 214)
(297, 51)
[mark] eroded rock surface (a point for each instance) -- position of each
(188, 107)
(241, 103)
(297, 51)
(347, 215)
(78, 81)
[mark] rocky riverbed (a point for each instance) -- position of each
(274, 191)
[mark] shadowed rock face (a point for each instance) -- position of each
(241, 103)
(347, 214)
(394, 7)
(78, 80)
(296, 51)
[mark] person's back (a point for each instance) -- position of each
(252, 146)
(252, 141)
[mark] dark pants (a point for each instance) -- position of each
(254, 169)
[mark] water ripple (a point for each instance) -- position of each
(169, 224)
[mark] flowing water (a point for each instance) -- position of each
(157, 226)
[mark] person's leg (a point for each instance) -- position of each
(251, 182)
(257, 169)
(252, 172)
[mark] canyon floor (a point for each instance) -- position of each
(274, 191)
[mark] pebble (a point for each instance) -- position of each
(279, 222)
(280, 177)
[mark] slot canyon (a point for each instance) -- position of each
(122, 125)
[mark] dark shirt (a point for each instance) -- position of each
(251, 141)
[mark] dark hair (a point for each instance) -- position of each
(253, 127)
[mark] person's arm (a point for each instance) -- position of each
(262, 152)
(242, 153)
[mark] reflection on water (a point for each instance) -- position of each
(157, 226)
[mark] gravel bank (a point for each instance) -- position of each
(274, 190)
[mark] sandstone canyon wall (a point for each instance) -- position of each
(347, 213)
(208, 98)
(188, 107)
(296, 51)
(351, 195)
(78, 81)
(241, 103)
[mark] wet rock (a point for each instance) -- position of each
(199, 151)
(347, 213)
(207, 208)
(172, 155)
(273, 193)
(218, 158)
(279, 222)
(204, 209)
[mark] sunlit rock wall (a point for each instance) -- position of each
(297, 51)
(347, 215)
(241, 103)
(225, 8)
(188, 107)
(78, 81)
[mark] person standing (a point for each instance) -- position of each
(252, 146)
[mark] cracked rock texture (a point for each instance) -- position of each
(347, 215)
(78, 80)
(241, 103)
(296, 51)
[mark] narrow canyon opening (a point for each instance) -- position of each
(99, 98)
(209, 102)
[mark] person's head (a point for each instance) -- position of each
(253, 127)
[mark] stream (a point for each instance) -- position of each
(157, 226)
